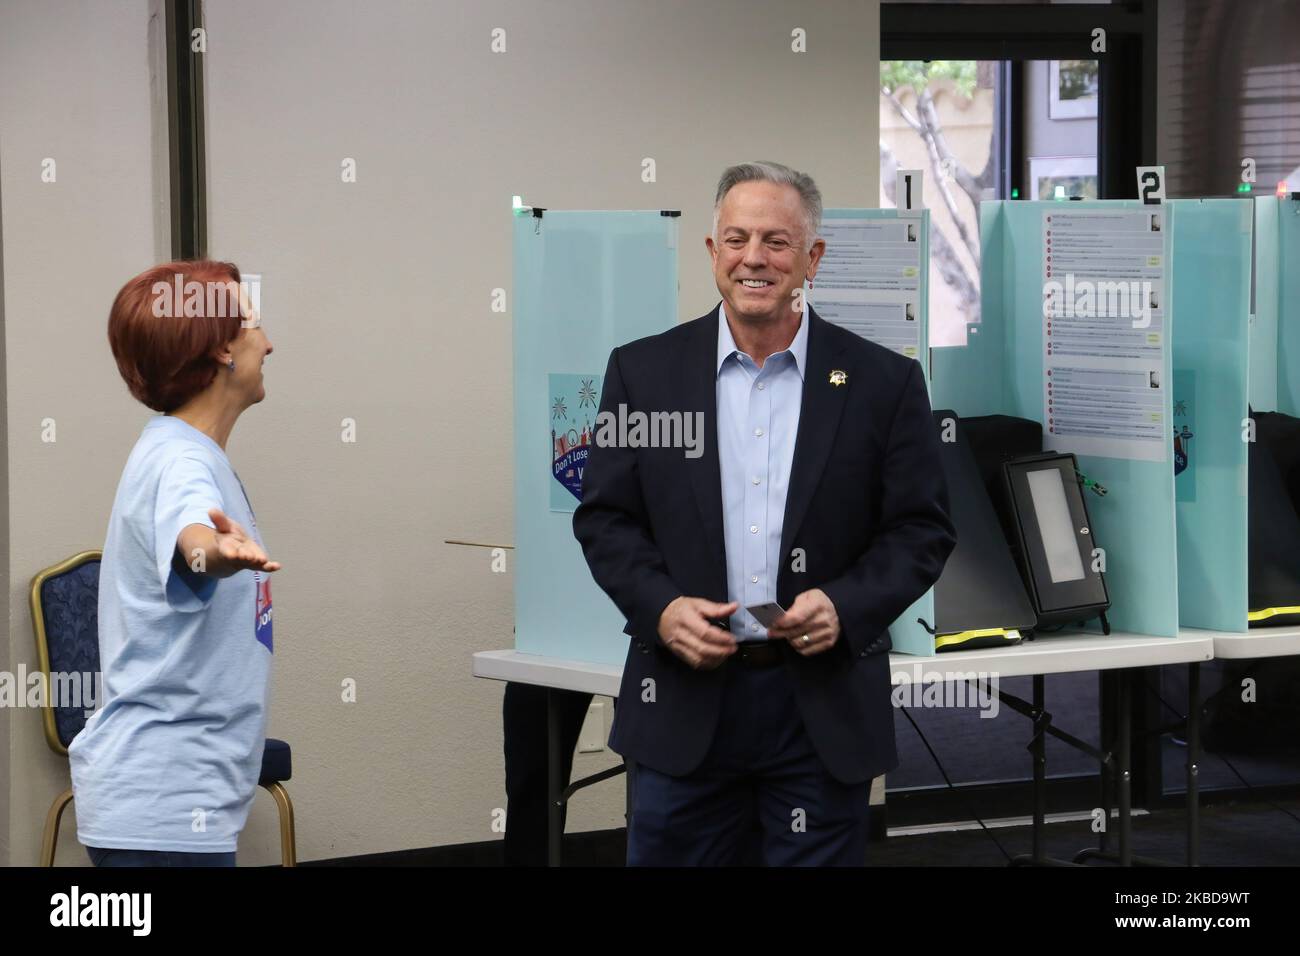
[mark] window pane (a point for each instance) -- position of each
(939, 116)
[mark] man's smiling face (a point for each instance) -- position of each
(762, 252)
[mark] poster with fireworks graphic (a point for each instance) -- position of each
(574, 402)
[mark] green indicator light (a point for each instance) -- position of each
(1015, 193)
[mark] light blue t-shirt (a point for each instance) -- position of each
(171, 759)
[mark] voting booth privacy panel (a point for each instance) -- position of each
(1095, 375)
(1212, 264)
(1236, 437)
(1273, 454)
(1150, 399)
(1275, 328)
(874, 278)
(585, 282)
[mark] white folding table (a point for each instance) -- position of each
(1055, 653)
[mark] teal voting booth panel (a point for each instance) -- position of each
(906, 634)
(1275, 339)
(584, 283)
(1212, 262)
(1000, 371)
(1288, 339)
(1264, 367)
(974, 379)
(1274, 357)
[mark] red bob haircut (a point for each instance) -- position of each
(166, 323)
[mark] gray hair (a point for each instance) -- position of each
(809, 195)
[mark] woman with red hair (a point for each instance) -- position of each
(165, 771)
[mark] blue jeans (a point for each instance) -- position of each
(107, 857)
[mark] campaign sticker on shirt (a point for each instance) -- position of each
(262, 618)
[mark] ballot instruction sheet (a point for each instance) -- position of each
(1105, 301)
(869, 281)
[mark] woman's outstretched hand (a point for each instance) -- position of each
(236, 549)
(224, 550)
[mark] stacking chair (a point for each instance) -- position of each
(65, 616)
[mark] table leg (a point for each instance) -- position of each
(1107, 692)
(1040, 770)
(1193, 763)
(1123, 770)
(554, 824)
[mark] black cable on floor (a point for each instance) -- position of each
(944, 774)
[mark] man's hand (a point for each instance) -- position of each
(688, 631)
(812, 614)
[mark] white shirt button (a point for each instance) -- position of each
(755, 479)
(758, 432)
(753, 627)
(753, 578)
(762, 385)
(753, 529)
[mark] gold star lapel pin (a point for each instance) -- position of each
(838, 377)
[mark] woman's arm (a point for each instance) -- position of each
(221, 551)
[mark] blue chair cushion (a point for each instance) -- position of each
(70, 606)
(277, 762)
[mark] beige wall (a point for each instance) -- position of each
(75, 86)
(5, 655)
(377, 298)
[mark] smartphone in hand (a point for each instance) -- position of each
(766, 614)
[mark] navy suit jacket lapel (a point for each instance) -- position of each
(699, 391)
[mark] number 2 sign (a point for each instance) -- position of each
(1151, 184)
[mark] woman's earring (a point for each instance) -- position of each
(231, 365)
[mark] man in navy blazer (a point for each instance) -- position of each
(817, 485)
